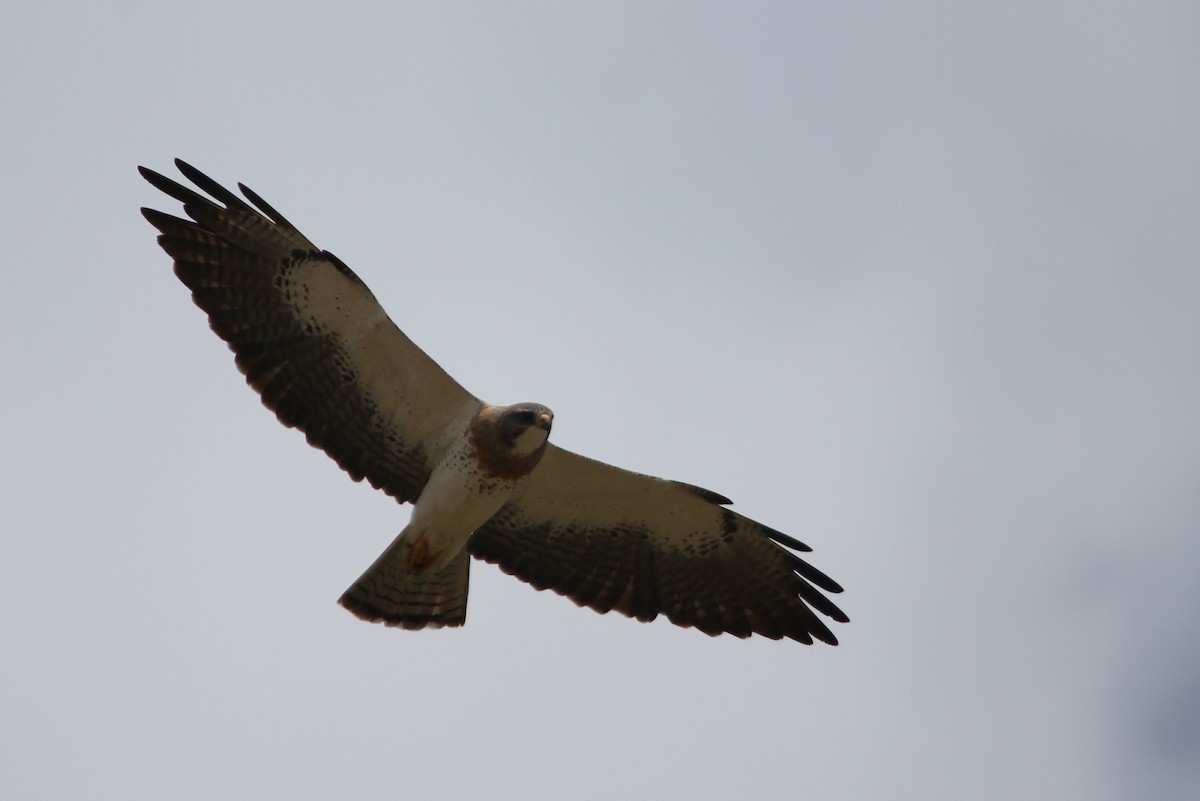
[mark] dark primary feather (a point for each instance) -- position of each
(254, 275)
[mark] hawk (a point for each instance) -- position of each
(484, 480)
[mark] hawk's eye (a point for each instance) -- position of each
(525, 416)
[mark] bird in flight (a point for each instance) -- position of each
(484, 480)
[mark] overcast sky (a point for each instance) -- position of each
(916, 283)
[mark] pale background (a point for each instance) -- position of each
(917, 283)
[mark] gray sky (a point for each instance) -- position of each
(915, 283)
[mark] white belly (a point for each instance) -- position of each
(458, 499)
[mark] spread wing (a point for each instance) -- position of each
(310, 337)
(611, 539)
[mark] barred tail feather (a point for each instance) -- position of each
(389, 593)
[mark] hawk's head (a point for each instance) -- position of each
(509, 440)
(524, 427)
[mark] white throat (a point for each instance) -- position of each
(530, 440)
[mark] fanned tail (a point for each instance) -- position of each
(389, 593)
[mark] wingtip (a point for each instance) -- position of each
(153, 176)
(706, 494)
(200, 179)
(785, 539)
